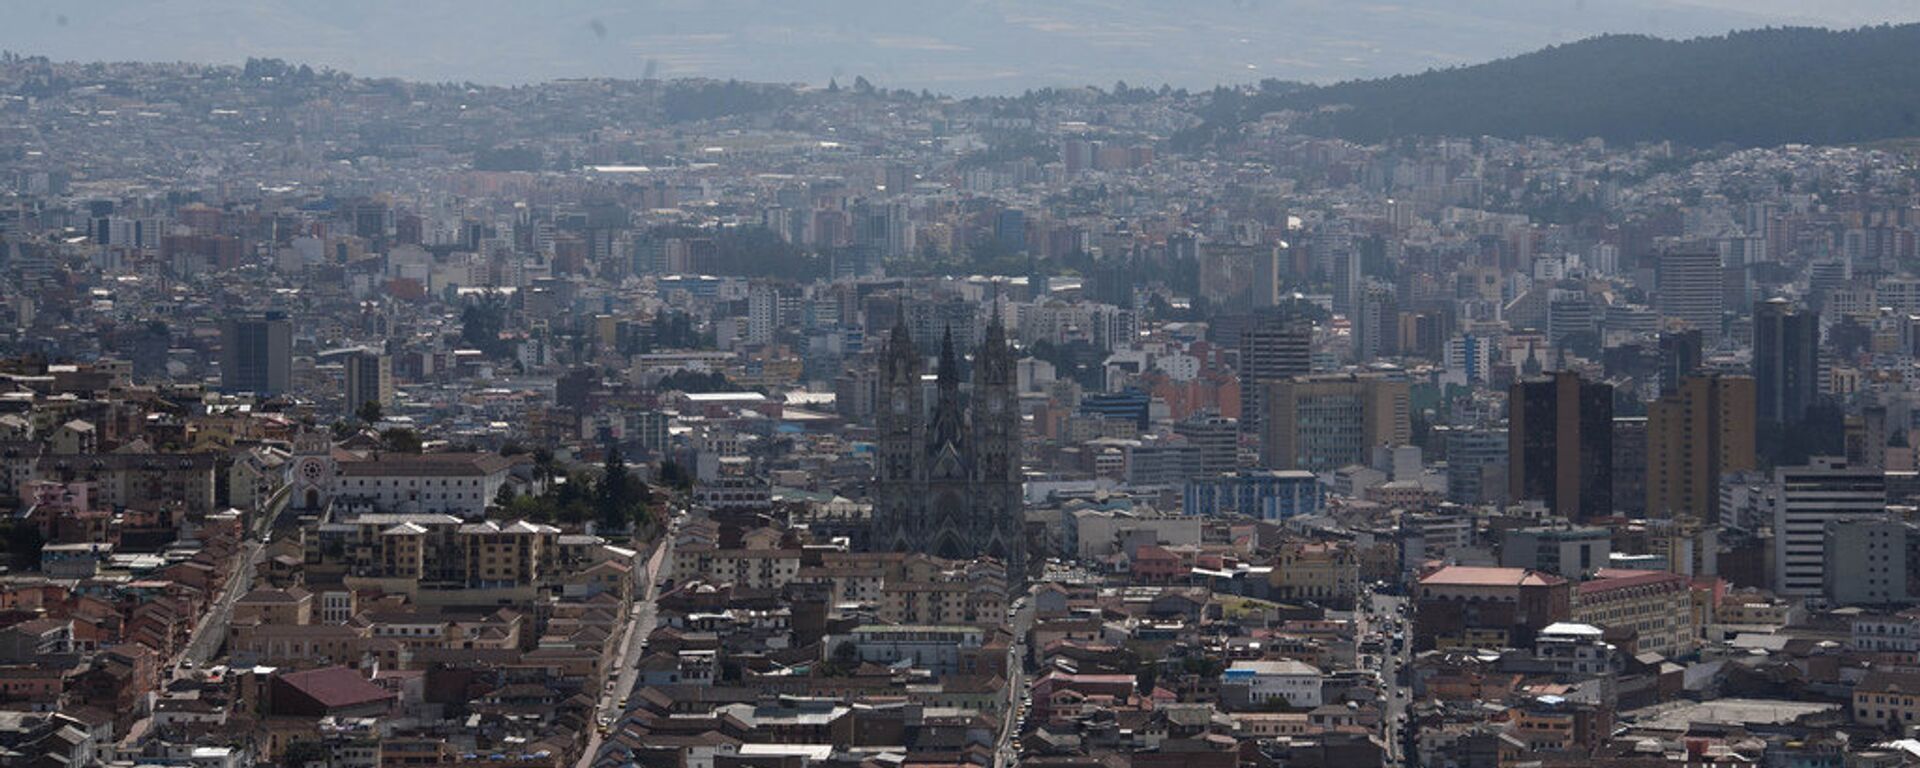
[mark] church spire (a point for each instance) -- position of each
(996, 331)
(902, 360)
(949, 362)
(901, 334)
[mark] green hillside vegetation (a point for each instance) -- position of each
(1756, 88)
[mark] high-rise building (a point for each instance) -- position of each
(1805, 500)
(1375, 322)
(256, 355)
(1867, 562)
(1689, 287)
(1239, 278)
(1630, 465)
(948, 478)
(880, 231)
(1476, 465)
(1569, 314)
(763, 313)
(1322, 423)
(1560, 445)
(1697, 432)
(1680, 352)
(1275, 348)
(369, 379)
(1786, 361)
(1471, 355)
(1217, 439)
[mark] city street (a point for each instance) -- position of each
(624, 672)
(210, 633)
(1005, 755)
(1379, 612)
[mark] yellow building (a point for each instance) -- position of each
(1319, 571)
(1697, 432)
(516, 554)
(1885, 699)
(1657, 606)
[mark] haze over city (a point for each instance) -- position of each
(964, 48)
(853, 384)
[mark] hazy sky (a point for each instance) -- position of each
(957, 46)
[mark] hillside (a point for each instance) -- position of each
(1757, 88)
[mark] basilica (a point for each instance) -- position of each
(947, 475)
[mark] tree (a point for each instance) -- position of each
(401, 440)
(24, 543)
(572, 499)
(305, 752)
(614, 498)
(481, 323)
(1147, 676)
(675, 476)
(369, 412)
(684, 380)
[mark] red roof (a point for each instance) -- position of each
(1154, 552)
(336, 687)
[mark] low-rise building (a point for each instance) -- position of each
(1655, 606)
(1266, 682)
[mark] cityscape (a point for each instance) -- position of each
(1456, 419)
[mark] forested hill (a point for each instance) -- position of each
(1756, 88)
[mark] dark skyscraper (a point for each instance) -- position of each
(1679, 357)
(1786, 361)
(1690, 289)
(948, 479)
(369, 379)
(256, 355)
(1276, 348)
(1560, 445)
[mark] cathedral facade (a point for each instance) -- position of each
(947, 476)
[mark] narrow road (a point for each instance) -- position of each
(211, 632)
(1004, 755)
(625, 670)
(1380, 613)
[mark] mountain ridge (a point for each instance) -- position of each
(1758, 87)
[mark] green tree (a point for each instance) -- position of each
(401, 440)
(24, 543)
(481, 323)
(369, 412)
(614, 498)
(573, 499)
(543, 464)
(675, 476)
(1147, 676)
(305, 752)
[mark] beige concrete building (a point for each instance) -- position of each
(1323, 422)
